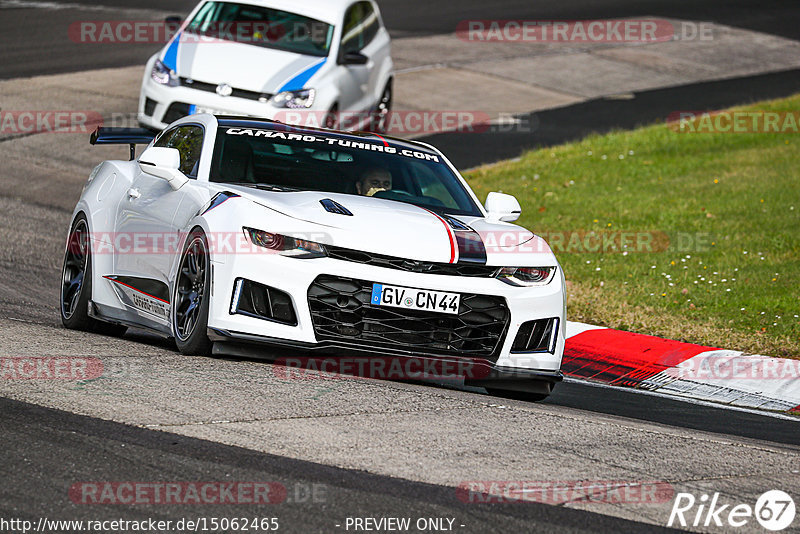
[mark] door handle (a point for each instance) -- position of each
(133, 193)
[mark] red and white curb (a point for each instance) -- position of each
(687, 370)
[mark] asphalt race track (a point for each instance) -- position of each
(34, 41)
(147, 455)
(377, 449)
(569, 123)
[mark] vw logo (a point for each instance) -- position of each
(224, 89)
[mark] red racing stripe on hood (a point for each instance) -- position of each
(450, 236)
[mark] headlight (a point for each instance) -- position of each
(526, 276)
(93, 174)
(294, 99)
(163, 75)
(285, 245)
(91, 178)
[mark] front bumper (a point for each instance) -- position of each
(161, 105)
(295, 276)
(300, 355)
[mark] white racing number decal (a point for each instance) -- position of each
(332, 141)
(415, 299)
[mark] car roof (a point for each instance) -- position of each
(330, 11)
(267, 124)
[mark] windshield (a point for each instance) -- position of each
(289, 161)
(262, 26)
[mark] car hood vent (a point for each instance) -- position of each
(455, 224)
(334, 207)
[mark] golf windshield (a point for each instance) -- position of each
(315, 161)
(262, 26)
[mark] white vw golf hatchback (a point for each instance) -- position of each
(266, 58)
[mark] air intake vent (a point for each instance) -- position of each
(262, 302)
(334, 207)
(456, 224)
(536, 336)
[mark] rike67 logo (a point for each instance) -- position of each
(774, 510)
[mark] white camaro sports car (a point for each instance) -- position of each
(238, 236)
(262, 58)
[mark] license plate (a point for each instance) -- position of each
(210, 111)
(415, 299)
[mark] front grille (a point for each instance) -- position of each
(402, 264)
(212, 88)
(341, 311)
(200, 86)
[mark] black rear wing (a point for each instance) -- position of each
(122, 136)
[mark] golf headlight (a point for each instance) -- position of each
(163, 75)
(285, 245)
(294, 99)
(526, 276)
(91, 178)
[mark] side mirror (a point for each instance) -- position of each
(354, 58)
(502, 207)
(163, 163)
(173, 21)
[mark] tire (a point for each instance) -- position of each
(330, 121)
(383, 109)
(189, 311)
(76, 277)
(76, 284)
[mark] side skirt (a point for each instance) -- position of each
(114, 316)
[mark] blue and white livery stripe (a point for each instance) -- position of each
(171, 55)
(300, 80)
